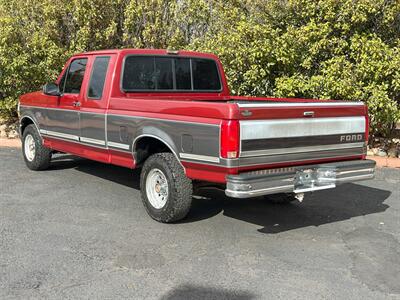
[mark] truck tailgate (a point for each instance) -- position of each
(273, 133)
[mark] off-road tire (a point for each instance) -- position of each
(179, 186)
(42, 158)
(283, 198)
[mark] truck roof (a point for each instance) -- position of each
(150, 52)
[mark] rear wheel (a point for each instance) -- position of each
(36, 156)
(166, 191)
(283, 198)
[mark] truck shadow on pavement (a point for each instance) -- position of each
(323, 207)
(120, 175)
(345, 202)
(188, 291)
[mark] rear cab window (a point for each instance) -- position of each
(165, 73)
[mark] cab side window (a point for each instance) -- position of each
(74, 76)
(98, 77)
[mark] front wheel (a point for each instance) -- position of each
(36, 156)
(166, 191)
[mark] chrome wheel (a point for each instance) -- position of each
(30, 147)
(157, 188)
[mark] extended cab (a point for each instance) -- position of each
(171, 114)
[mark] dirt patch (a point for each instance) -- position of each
(11, 143)
(387, 162)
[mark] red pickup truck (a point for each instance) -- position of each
(170, 113)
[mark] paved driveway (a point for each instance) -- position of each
(79, 231)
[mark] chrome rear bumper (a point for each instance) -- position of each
(298, 179)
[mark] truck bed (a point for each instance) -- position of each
(273, 132)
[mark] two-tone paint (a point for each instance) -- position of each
(273, 132)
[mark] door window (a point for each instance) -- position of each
(98, 77)
(74, 77)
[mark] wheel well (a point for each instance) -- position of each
(24, 123)
(146, 146)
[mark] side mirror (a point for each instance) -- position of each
(51, 89)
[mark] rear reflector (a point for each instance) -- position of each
(230, 139)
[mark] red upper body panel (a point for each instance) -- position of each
(219, 105)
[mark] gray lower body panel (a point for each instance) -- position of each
(197, 140)
(62, 122)
(289, 180)
(92, 127)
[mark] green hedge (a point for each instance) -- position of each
(329, 49)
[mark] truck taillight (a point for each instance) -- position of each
(230, 139)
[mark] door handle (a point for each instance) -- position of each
(76, 104)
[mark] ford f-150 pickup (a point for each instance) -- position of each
(170, 113)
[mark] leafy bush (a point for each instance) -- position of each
(327, 49)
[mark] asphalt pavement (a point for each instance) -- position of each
(79, 231)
